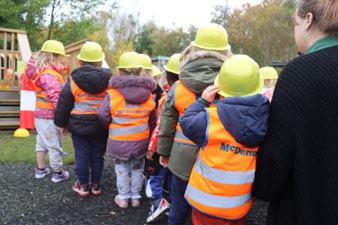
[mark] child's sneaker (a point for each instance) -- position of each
(95, 189)
(157, 207)
(39, 174)
(135, 202)
(123, 203)
(58, 178)
(82, 190)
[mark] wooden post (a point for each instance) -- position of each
(12, 59)
(5, 57)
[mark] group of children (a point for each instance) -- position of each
(199, 137)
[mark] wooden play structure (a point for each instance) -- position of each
(14, 46)
(73, 50)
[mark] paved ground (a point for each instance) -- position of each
(27, 201)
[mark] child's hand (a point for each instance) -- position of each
(64, 131)
(210, 92)
(164, 161)
(149, 155)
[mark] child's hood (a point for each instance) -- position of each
(134, 89)
(92, 79)
(246, 118)
(200, 69)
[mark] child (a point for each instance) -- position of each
(77, 111)
(219, 188)
(199, 63)
(147, 71)
(157, 75)
(270, 77)
(129, 111)
(154, 188)
(46, 70)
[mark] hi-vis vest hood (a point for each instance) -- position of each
(182, 98)
(221, 180)
(42, 101)
(199, 70)
(85, 103)
(91, 79)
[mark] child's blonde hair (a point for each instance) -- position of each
(129, 71)
(146, 73)
(269, 83)
(45, 59)
(186, 55)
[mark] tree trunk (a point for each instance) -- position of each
(51, 21)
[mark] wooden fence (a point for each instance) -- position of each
(14, 46)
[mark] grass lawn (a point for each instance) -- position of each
(13, 149)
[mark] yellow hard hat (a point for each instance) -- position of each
(269, 72)
(91, 52)
(54, 47)
(156, 71)
(212, 37)
(21, 132)
(173, 65)
(146, 62)
(130, 60)
(239, 76)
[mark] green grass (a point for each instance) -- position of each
(13, 149)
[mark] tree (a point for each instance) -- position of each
(264, 32)
(62, 10)
(143, 41)
(221, 14)
(28, 15)
(170, 41)
(72, 31)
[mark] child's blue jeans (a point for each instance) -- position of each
(179, 208)
(89, 152)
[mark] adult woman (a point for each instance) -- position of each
(297, 169)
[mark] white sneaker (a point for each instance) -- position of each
(157, 207)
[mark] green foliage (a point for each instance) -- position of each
(63, 10)
(72, 31)
(23, 149)
(143, 39)
(170, 41)
(264, 31)
(28, 15)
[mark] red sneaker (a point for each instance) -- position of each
(82, 190)
(95, 189)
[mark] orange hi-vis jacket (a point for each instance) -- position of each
(41, 96)
(221, 180)
(85, 103)
(129, 122)
(182, 98)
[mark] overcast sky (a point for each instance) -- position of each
(180, 13)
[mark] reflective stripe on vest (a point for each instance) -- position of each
(129, 122)
(221, 181)
(42, 100)
(85, 103)
(182, 98)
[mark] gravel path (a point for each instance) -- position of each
(25, 200)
